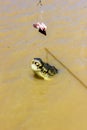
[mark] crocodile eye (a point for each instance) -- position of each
(36, 63)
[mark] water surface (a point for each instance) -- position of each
(27, 103)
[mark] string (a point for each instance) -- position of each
(40, 17)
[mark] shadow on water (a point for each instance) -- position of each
(37, 77)
(81, 82)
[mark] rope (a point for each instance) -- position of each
(81, 82)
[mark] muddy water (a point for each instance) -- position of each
(28, 103)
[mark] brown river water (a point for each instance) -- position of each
(28, 103)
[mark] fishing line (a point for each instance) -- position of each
(64, 66)
(41, 11)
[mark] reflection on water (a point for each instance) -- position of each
(30, 103)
